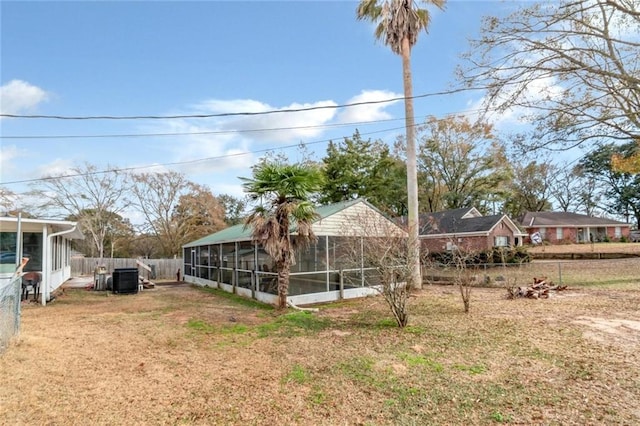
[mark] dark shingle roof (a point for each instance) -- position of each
(566, 219)
(453, 221)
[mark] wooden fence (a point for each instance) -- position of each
(164, 268)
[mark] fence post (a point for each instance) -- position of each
(341, 285)
(18, 307)
(560, 272)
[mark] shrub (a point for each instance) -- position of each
(497, 255)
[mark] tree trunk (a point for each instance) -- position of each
(283, 265)
(412, 172)
(283, 284)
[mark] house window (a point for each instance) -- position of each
(543, 233)
(618, 232)
(501, 241)
(559, 234)
(31, 248)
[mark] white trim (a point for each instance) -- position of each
(472, 213)
(454, 234)
(565, 225)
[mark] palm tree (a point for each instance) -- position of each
(398, 25)
(283, 194)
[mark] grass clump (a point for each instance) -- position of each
(422, 361)
(235, 299)
(298, 374)
(293, 324)
(200, 326)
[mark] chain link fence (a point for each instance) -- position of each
(10, 293)
(562, 272)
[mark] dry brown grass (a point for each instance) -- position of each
(587, 248)
(598, 272)
(181, 355)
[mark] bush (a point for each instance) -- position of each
(497, 255)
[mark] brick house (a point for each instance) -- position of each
(467, 229)
(564, 227)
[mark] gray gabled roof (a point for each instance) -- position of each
(456, 221)
(242, 233)
(460, 221)
(565, 219)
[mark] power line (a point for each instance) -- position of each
(179, 163)
(216, 132)
(223, 132)
(230, 114)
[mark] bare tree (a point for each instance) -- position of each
(573, 66)
(157, 195)
(91, 197)
(458, 265)
(380, 247)
(590, 195)
(530, 188)
(464, 277)
(9, 201)
(198, 213)
(565, 187)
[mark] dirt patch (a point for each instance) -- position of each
(623, 332)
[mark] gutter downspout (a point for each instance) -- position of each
(47, 261)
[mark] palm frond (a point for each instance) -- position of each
(397, 19)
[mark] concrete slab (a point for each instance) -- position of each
(78, 282)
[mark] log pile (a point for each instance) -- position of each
(538, 290)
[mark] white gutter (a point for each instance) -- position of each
(44, 293)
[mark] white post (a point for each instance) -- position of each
(46, 273)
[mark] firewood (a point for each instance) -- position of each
(540, 289)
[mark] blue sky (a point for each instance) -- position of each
(161, 58)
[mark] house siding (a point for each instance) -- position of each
(359, 219)
(572, 234)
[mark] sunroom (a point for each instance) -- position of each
(47, 245)
(332, 268)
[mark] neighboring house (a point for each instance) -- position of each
(467, 229)
(230, 261)
(47, 244)
(564, 227)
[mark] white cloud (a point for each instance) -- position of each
(235, 190)
(294, 125)
(8, 155)
(56, 167)
(18, 96)
(216, 150)
(368, 112)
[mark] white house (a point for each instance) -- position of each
(47, 245)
